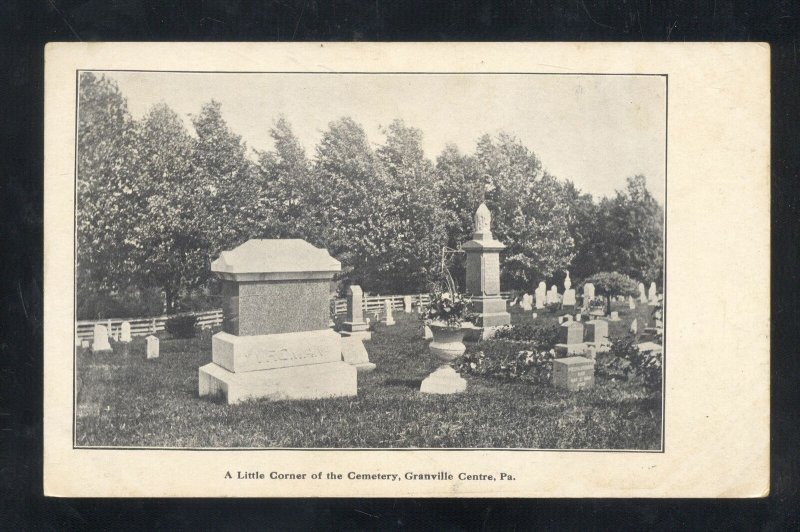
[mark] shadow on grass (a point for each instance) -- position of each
(414, 384)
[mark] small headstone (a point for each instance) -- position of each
(571, 332)
(100, 339)
(407, 304)
(642, 294)
(355, 323)
(588, 291)
(578, 316)
(634, 326)
(535, 315)
(125, 332)
(652, 295)
(387, 305)
(631, 303)
(77, 340)
(569, 298)
(541, 295)
(650, 346)
(513, 302)
(573, 373)
(85, 343)
(527, 302)
(152, 346)
(355, 354)
(614, 316)
(553, 296)
(596, 333)
(427, 333)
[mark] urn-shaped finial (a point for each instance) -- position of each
(483, 219)
(567, 281)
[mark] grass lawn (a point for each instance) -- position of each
(126, 400)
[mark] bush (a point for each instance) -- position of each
(182, 326)
(542, 336)
(505, 360)
(625, 358)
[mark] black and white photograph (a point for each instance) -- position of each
(369, 260)
(403, 270)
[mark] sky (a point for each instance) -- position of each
(593, 130)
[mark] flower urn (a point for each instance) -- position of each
(447, 345)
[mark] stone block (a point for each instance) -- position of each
(364, 336)
(491, 311)
(596, 332)
(100, 339)
(355, 354)
(315, 381)
(253, 353)
(573, 373)
(152, 346)
(571, 332)
(569, 298)
(125, 332)
(445, 380)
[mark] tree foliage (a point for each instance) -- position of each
(158, 202)
(613, 284)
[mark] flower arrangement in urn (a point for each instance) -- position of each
(448, 308)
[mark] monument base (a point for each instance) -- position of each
(354, 326)
(316, 381)
(444, 380)
(491, 311)
(355, 354)
(364, 336)
(571, 349)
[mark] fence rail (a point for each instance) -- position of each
(84, 329)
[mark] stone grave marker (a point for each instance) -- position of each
(389, 317)
(552, 295)
(527, 302)
(355, 354)
(596, 333)
(652, 294)
(152, 346)
(614, 316)
(125, 332)
(355, 324)
(588, 291)
(634, 326)
(100, 339)
(578, 316)
(642, 294)
(275, 342)
(570, 337)
(631, 303)
(573, 373)
(407, 304)
(427, 333)
(541, 295)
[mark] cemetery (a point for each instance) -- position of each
(521, 314)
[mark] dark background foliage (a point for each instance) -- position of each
(26, 25)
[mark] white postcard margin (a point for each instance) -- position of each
(718, 280)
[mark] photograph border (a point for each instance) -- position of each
(662, 448)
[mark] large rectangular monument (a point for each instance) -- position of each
(483, 272)
(275, 341)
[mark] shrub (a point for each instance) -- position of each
(505, 360)
(182, 326)
(542, 336)
(625, 358)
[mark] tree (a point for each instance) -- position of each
(528, 214)
(582, 221)
(631, 236)
(612, 284)
(107, 154)
(284, 175)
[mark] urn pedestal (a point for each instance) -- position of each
(447, 345)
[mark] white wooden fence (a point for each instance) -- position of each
(84, 329)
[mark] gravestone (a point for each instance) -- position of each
(541, 295)
(552, 295)
(527, 302)
(427, 333)
(100, 339)
(389, 317)
(614, 316)
(275, 342)
(650, 346)
(588, 292)
(653, 295)
(596, 333)
(77, 340)
(535, 315)
(578, 316)
(407, 304)
(125, 332)
(355, 354)
(85, 343)
(355, 324)
(642, 294)
(570, 337)
(569, 298)
(631, 303)
(634, 326)
(483, 272)
(573, 373)
(152, 346)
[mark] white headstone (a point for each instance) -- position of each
(125, 332)
(427, 333)
(152, 346)
(100, 339)
(85, 343)
(535, 315)
(527, 302)
(588, 291)
(614, 316)
(407, 304)
(569, 298)
(552, 295)
(387, 304)
(642, 294)
(578, 316)
(541, 295)
(634, 326)
(631, 303)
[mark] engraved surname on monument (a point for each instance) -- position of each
(282, 357)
